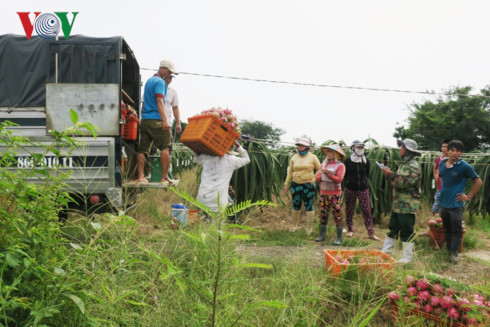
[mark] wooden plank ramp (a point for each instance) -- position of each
(135, 184)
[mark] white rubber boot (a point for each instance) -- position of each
(310, 216)
(389, 245)
(294, 220)
(407, 252)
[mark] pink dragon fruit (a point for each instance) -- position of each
(446, 302)
(427, 308)
(437, 289)
(394, 296)
(478, 299)
(423, 296)
(410, 280)
(450, 291)
(453, 313)
(411, 291)
(435, 301)
(423, 284)
(463, 304)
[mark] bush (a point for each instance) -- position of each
(33, 286)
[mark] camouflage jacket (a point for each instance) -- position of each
(406, 186)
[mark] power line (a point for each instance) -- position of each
(330, 85)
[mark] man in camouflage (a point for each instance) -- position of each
(406, 199)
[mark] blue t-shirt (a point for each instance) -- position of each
(454, 181)
(155, 85)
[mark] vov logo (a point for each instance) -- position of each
(47, 25)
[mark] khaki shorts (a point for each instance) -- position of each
(151, 132)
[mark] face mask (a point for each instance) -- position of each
(359, 152)
(303, 153)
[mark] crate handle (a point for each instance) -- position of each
(224, 128)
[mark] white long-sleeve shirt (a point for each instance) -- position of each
(216, 176)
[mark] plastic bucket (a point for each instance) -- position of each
(180, 212)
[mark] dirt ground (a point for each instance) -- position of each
(473, 266)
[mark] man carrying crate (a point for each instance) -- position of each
(154, 125)
(216, 176)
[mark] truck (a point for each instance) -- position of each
(42, 80)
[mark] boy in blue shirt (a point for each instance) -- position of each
(454, 173)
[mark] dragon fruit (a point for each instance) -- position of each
(423, 296)
(430, 295)
(410, 280)
(423, 284)
(435, 301)
(394, 296)
(446, 302)
(437, 289)
(453, 313)
(450, 291)
(412, 291)
(463, 304)
(428, 308)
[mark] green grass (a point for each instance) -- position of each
(483, 224)
(279, 237)
(164, 277)
(139, 272)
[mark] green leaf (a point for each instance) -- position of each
(73, 116)
(256, 265)
(96, 226)
(244, 227)
(136, 303)
(77, 301)
(75, 246)
(12, 260)
(272, 304)
(366, 321)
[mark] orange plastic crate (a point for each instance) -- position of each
(207, 134)
(335, 267)
(130, 129)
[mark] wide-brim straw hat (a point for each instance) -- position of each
(336, 148)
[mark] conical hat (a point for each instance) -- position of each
(336, 148)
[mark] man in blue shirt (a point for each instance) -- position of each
(154, 125)
(454, 173)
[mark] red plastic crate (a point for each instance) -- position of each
(335, 267)
(130, 129)
(207, 134)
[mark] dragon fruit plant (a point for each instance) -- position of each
(442, 297)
